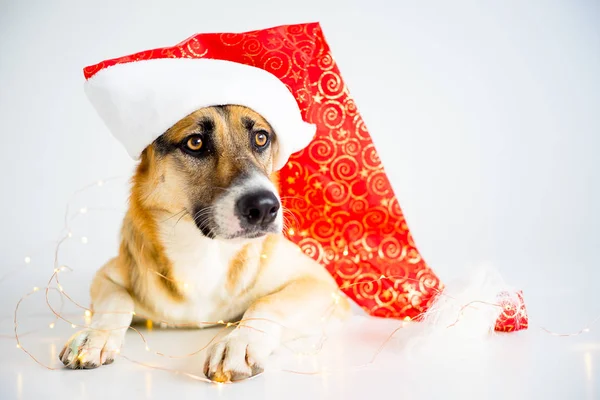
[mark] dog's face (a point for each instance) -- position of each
(216, 164)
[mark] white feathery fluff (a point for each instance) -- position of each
(463, 315)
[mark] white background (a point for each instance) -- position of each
(485, 115)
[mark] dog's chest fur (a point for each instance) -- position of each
(202, 269)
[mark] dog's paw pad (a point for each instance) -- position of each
(89, 349)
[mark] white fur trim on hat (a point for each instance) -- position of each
(140, 100)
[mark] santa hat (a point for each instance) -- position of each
(345, 213)
(142, 95)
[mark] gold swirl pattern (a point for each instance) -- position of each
(331, 85)
(333, 115)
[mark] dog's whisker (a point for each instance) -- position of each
(184, 211)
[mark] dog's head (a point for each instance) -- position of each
(216, 165)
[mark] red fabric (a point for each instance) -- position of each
(342, 209)
(514, 314)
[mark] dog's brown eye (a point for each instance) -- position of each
(261, 138)
(194, 143)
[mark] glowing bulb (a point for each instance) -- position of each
(186, 286)
(229, 324)
(336, 297)
(51, 326)
(586, 330)
(133, 313)
(263, 256)
(291, 231)
(35, 288)
(88, 313)
(220, 321)
(55, 270)
(60, 288)
(381, 276)
(147, 348)
(27, 260)
(84, 240)
(63, 268)
(407, 318)
(83, 210)
(70, 234)
(100, 183)
(18, 346)
(117, 351)
(345, 252)
(73, 326)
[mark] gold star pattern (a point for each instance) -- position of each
(327, 208)
(323, 169)
(410, 290)
(318, 98)
(364, 173)
(272, 41)
(318, 185)
(295, 76)
(384, 202)
(291, 180)
(343, 132)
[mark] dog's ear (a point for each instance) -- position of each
(274, 177)
(144, 165)
(275, 153)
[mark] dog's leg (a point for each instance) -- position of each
(112, 307)
(299, 306)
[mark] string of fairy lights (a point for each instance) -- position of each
(54, 285)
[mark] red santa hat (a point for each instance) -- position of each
(142, 95)
(345, 213)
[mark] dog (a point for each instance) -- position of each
(201, 241)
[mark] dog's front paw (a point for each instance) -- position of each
(236, 357)
(90, 348)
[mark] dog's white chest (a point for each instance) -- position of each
(200, 266)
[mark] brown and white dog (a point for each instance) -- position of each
(202, 241)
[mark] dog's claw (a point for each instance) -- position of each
(88, 349)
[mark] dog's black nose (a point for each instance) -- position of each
(258, 208)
